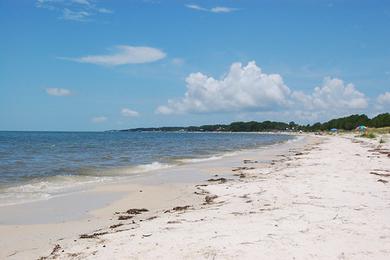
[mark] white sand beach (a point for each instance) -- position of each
(151, 129)
(323, 197)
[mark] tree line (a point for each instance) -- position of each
(344, 123)
(351, 122)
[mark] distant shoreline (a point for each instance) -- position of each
(343, 123)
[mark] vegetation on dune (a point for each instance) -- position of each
(368, 135)
(381, 130)
(382, 122)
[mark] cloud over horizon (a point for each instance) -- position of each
(248, 88)
(383, 100)
(99, 119)
(60, 92)
(243, 88)
(126, 112)
(332, 95)
(123, 54)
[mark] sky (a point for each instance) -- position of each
(91, 65)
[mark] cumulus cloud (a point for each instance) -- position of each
(123, 54)
(383, 101)
(60, 92)
(129, 113)
(99, 119)
(249, 89)
(384, 98)
(217, 9)
(242, 88)
(333, 94)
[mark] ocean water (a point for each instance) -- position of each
(39, 165)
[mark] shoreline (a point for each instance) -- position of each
(189, 171)
(75, 210)
(56, 186)
(289, 200)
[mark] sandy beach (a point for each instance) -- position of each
(151, 129)
(322, 197)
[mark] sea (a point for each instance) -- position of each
(40, 165)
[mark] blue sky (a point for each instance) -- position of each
(97, 65)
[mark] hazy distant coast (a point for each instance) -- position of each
(343, 123)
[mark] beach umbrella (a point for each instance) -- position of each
(361, 128)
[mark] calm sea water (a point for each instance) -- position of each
(38, 165)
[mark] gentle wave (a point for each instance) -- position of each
(52, 164)
(151, 167)
(296, 138)
(47, 188)
(123, 171)
(57, 185)
(211, 158)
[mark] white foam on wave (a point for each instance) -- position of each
(211, 158)
(151, 167)
(128, 171)
(195, 160)
(47, 188)
(296, 138)
(64, 184)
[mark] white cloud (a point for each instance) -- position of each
(248, 89)
(124, 55)
(217, 9)
(243, 88)
(105, 11)
(384, 98)
(334, 94)
(99, 119)
(383, 101)
(81, 2)
(58, 92)
(129, 113)
(73, 10)
(196, 7)
(48, 4)
(167, 110)
(222, 9)
(80, 16)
